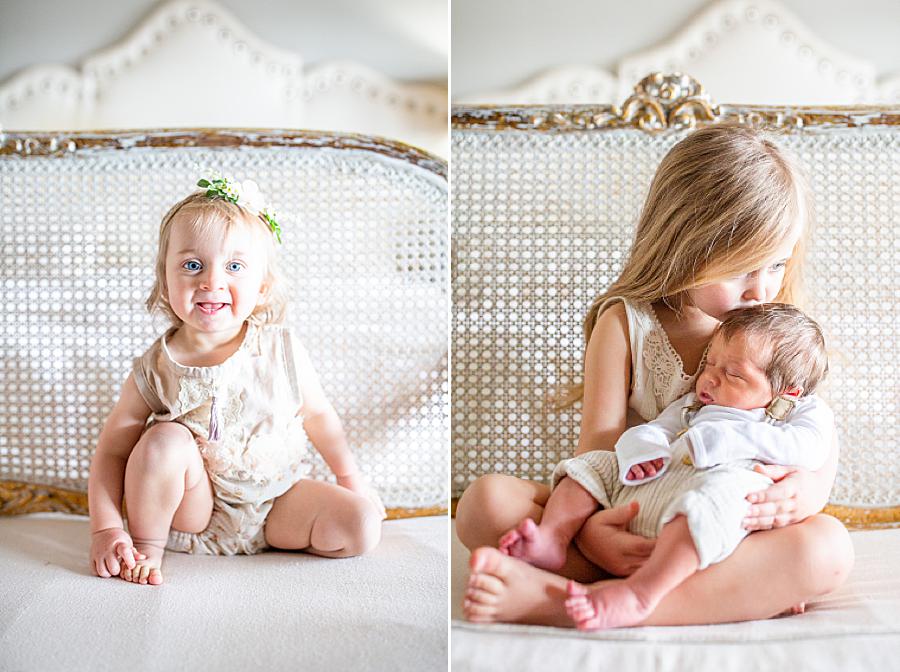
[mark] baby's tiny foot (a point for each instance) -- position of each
(611, 605)
(508, 541)
(798, 608)
(146, 570)
(534, 545)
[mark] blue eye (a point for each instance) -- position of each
(780, 265)
(191, 266)
(234, 266)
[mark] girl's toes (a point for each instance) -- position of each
(476, 595)
(155, 577)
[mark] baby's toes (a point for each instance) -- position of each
(580, 608)
(507, 540)
(155, 577)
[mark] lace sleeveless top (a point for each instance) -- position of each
(657, 372)
(243, 412)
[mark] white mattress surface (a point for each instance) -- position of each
(273, 611)
(855, 628)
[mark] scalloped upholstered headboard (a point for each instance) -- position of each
(747, 51)
(544, 202)
(365, 254)
(192, 64)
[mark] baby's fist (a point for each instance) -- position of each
(643, 470)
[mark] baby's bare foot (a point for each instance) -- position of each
(147, 569)
(798, 608)
(612, 605)
(534, 545)
(506, 590)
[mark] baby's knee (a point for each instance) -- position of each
(358, 530)
(827, 553)
(162, 446)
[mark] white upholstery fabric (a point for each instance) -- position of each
(364, 255)
(542, 223)
(855, 628)
(274, 611)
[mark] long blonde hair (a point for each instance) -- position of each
(216, 216)
(721, 203)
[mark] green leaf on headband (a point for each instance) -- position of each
(211, 194)
(203, 183)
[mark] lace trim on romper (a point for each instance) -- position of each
(260, 453)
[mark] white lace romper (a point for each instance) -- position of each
(242, 414)
(711, 499)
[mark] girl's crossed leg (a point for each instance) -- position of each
(166, 486)
(767, 574)
(323, 519)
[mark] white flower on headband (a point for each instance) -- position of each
(245, 194)
(250, 197)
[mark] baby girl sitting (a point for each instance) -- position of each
(208, 440)
(751, 404)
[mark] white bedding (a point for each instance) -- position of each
(273, 611)
(855, 628)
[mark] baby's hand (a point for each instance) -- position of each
(108, 548)
(645, 470)
(358, 484)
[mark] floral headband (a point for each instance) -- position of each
(245, 194)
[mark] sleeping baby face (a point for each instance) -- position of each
(732, 376)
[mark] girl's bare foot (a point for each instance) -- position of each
(611, 605)
(506, 590)
(529, 542)
(147, 569)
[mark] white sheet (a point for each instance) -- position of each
(855, 628)
(273, 611)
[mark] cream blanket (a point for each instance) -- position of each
(273, 611)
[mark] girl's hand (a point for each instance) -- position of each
(358, 484)
(605, 540)
(109, 547)
(789, 500)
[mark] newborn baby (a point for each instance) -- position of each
(691, 468)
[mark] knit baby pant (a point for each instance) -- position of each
(712, 500)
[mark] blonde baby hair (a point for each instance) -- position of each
(720, 204)
(216, 216)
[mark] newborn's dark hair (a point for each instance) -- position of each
(790, 343)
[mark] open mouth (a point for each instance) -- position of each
(705, 398)
(211, 308)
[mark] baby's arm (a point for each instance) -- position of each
(106, 484)
(324, 429)
(649, 445)
(803, 440)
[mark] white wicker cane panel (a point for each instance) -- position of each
(364, 253)
(541, 225)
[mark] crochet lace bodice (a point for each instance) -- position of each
(658, 376)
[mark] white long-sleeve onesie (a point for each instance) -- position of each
(719, 434)
(710, 488)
